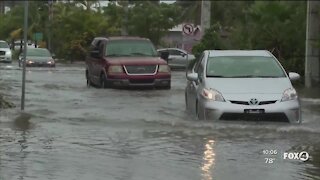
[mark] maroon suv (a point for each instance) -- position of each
(126, 62)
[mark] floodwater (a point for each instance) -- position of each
(69, 131)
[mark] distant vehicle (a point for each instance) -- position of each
(178, 58)
(37, 57)
(5, 52)
(126, 62)
(242, 85)
(17, 45)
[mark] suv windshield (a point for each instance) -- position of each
(130, 48)
(243, 67)
(4, 45)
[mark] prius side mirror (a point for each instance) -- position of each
(192, 76)
(294, 76)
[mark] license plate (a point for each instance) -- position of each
(254, 111)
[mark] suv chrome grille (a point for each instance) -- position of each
(143, 70)
(2, 52)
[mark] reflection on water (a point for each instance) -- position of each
(308, 92)
(22, 122)
(208, 160)
(313, 169)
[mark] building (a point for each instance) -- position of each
(176, 37)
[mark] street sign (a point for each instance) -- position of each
(188, 29)
(38, 36)
(191, 35)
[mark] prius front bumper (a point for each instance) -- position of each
(287, 111)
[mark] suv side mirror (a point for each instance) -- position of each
(183, 54)
(164, 55)
(53, 55)
(95, 53)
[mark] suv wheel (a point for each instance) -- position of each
(168, 87)
(199, 114)
(186, 100)
(89, 84)
(103, 82)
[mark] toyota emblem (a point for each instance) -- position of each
(253, 101)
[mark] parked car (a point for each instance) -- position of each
(178, 58)
(19, 44)
(37, 57)
(5, 52)
(126, 62)
(241, 85)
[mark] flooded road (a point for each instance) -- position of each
(69, 131)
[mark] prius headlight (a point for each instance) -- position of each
(289, 94)
(212, 94)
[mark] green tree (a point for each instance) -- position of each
(151, 20)
(191, 11)
(210, 40)
(279, 26)
(75, 27)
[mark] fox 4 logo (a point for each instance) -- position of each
(302, 156)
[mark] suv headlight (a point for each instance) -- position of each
(164, 69)
(212, 94)
(8, 53)
(289, 94)
(115, 69)
(51, 61)
(29, 62)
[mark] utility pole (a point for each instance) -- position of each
(25, 31)
(205, 15)
(50, 11)
(124, 30)
(312, 64)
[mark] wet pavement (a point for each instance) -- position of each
(69, 131)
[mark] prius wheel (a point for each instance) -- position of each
(199, 113)
(186, 100)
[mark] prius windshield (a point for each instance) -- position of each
(130, 48)
(244, 67)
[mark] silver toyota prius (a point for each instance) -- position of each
(241, 85)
